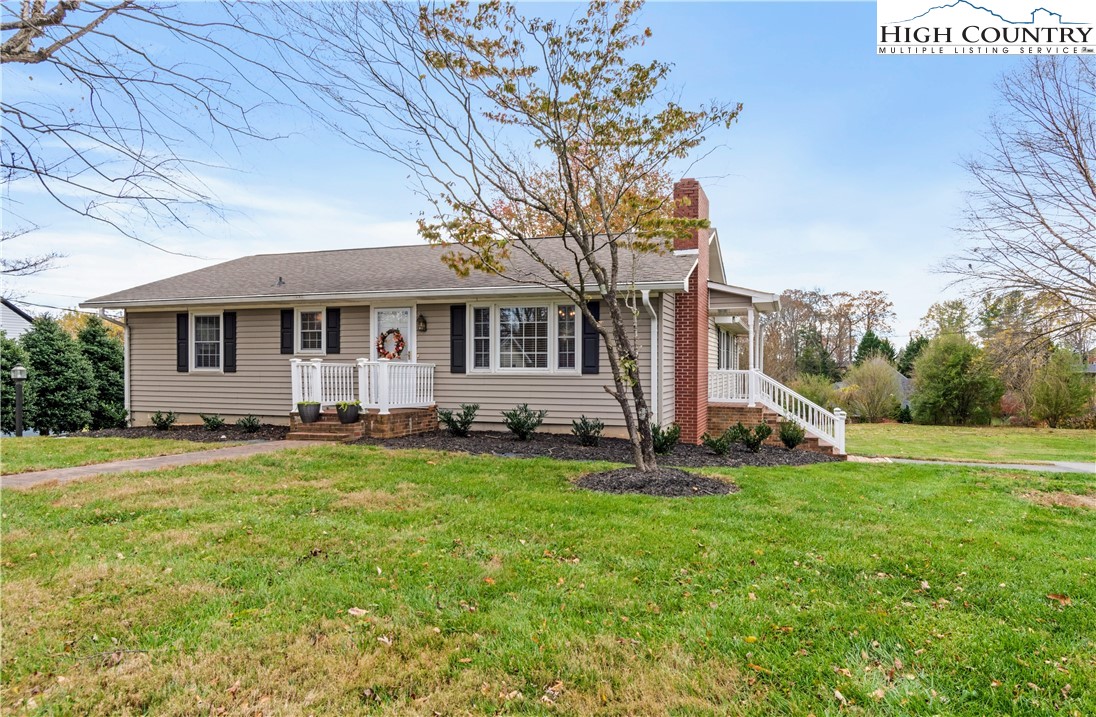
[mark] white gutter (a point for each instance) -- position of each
(654, 357)
(110, 319)
(454, 292)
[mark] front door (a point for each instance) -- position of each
(393, 338)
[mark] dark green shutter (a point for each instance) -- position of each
(230, 341)
(458, 341)
(334, 319)
(287, 331)
(182, 343)
(591, 341)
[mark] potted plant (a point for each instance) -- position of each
(309, 411)
(348, 411)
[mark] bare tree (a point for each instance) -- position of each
(108, 100)
(1031, 221)
(515, 128)
(23, 265)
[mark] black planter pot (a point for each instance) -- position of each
(348, 414)
(309, 412)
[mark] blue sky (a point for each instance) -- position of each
(843, 172)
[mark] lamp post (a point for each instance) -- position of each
(19, 375)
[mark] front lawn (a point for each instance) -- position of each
(39, 453)
(992, 444)
(348, 579)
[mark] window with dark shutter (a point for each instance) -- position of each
(287, 331)
(458, 342)
(591, 341)
(230, 341)
(182, 343)
(334, 322)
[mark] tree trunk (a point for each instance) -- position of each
(624, 362)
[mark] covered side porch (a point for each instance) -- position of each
(739, 389)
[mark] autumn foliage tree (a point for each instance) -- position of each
(515, 127)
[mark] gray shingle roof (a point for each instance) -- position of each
(399, 270)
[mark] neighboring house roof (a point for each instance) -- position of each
(14, 321)
(415, 271)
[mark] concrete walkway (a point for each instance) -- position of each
(64, 475)
(1047, 467)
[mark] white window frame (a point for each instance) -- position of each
(193, 340)
(496, 342)
(297, 347)
(410, 338)
(492, 338)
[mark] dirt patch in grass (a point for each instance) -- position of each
(198, 434)
(665, 482)
(1065, 500)
(379, 499)
(616, 450)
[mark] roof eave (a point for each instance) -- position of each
(105, 303)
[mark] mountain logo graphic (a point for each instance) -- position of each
(1038, 16)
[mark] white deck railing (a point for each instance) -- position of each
(381, 385)
(753, 387)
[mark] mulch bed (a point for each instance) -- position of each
(616, 450)
(665, 482)
(199, 434)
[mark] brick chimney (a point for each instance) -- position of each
(691, 313)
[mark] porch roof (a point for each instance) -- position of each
(727, 299)
(414, 271)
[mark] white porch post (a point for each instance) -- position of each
(317, 381)
(752, 355)
(383, 398)
(363, 383)
(295, 379)
(760, 346)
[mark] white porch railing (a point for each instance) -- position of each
(381, 385)
(753, 387)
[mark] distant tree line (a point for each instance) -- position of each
(965, 365)
(75, 377)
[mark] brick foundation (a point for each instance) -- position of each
(400, 422)
(722, 416)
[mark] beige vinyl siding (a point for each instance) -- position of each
(261, 384)
(668, 328)
(566, 396)
(713, 346)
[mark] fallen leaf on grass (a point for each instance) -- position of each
(1060, 599)
(840, 697)
(879, 694)
(385, 639)
(759, 668)
(357, 611)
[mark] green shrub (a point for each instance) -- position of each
(903, 415)
(343, 405)
(249, 424)
(1061, 390)
(818, 389)
(791, 434)
(459, 424)
(873, 389)
(739, 433)
(953, 384)
(212, 422)
(163, 421)
(756, 437)
(719, 445)
(1085, 422)
(106, 356)
(588, 430)
(523, 421)
(60, 388)
(665, 438)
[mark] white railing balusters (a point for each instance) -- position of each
(753, 387)
(381, 385)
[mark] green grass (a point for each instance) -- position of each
(485, 585)
(38, 453)
(992, 444)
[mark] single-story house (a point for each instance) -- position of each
(398, 330)
(14, 322)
